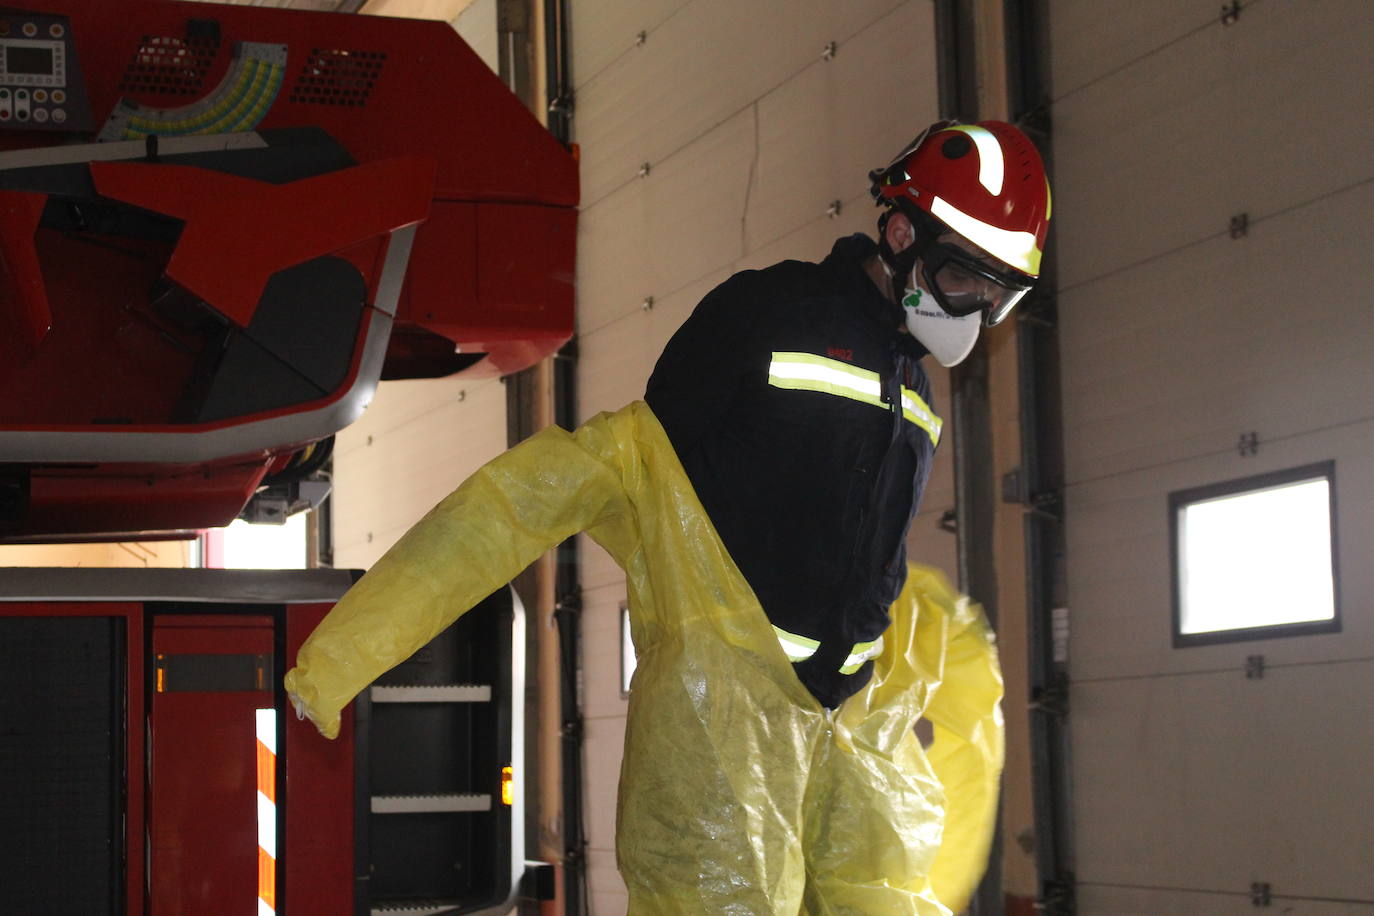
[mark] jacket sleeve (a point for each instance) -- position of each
(704, 363)
(967, 753)
(477, 539)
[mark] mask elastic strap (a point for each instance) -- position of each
(899, 264)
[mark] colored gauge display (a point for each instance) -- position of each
(238, 103)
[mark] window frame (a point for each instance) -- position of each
(1180, 499)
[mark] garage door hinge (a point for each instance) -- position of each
(1040, 312)
(1259, 894)
(1047, 504)
(1230, 12)
(1053, 698)
(562, 105)
(1254, 667)
(1056, 897)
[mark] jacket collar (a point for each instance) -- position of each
(845, 262)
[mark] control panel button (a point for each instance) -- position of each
(4, 26)
(30, 29)
(59, 115)
(58, 96)
(40, 115)
(56, 30)
(40, 95)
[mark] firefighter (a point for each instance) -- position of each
(797, 403)
(758, 503)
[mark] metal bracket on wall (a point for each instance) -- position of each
(562, 104)
(1013, 486)
(1052, 699)
(1047, 504)
(1056, 897)
(1248, 445)
(1254, 667)
(1039, 312)
(828, 52)
(1036, 121)
(1239, 226)
(1260, 894)
(949, 521)
(1230, 12)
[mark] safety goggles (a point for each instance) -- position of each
(963, 284)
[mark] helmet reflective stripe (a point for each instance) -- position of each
(861, 653)
(796, 648)
(1017, 249)
(990, 165)
(808, 372)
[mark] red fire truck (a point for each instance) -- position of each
(220, 228)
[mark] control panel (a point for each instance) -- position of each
(40, 80)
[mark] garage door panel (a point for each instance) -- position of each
(702, 66)
(614, 270)
(1206, 781)
(1095, 37)
(632, 343)
(1186, 355)
(604, 31)
(821, 132)
(1317, 53)
(1163, 152)
(662, 233)
(1130, 204)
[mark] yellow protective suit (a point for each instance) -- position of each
(739, 793)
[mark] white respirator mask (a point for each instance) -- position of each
(949, 339)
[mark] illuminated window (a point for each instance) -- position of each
(284, 546)
(1255, 558)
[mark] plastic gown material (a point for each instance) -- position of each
(739, 793)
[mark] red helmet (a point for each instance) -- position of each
(985, 181)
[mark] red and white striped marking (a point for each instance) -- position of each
(267, 811)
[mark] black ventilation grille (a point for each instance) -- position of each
(336, 77)
(170, 66)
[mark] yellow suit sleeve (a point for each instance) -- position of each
(967, 753)
(476, 540)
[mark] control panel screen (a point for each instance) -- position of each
(29, 60)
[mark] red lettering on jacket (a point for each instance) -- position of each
(840, 353)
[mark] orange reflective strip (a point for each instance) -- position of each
(267, 773)
(267, 878)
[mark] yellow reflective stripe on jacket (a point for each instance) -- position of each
(800, 648)
(861, 653)
(796, 648)
(809, 372)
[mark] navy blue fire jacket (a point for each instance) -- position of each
(800, 411)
